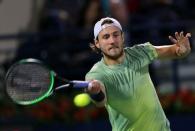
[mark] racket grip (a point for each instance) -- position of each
(80, 84)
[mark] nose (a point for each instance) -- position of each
(111, 40)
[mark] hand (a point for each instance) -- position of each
(94, 87)
(182, 43)
(97, 93)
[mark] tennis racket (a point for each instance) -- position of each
(29, 81)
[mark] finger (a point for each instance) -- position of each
(177, 35)
(181, 34)
(92, 88)
(173, 39)
(90, 85)
(95, 88)
(188, 35)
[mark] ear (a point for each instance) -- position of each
(123, 37)
(97, 43)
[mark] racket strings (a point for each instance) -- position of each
(27, 82)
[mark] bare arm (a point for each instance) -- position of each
(97, 93)
(179, 49)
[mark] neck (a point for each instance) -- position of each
(114, 61)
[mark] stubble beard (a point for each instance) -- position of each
(113, 57)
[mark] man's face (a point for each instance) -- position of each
(111, 42)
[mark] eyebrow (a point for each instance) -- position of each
(114, 32)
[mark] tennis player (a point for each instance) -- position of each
(121, 81)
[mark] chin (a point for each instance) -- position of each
(115, 55)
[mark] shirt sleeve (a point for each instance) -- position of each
(142, 55)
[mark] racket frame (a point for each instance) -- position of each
(51, 89)
(46, 94)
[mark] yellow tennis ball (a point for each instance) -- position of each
(82, 100)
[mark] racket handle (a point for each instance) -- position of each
(80, 84)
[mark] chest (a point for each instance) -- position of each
(126, 83)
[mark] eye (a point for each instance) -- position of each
(106, 36)
(116, 34)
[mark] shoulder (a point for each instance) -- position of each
(96, 71)
(96, 67)
(140, 46)
(142, 49)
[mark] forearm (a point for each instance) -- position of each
(171, 52)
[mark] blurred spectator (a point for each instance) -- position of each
(50, 44)
(54, 17)
(118, 9)
(157, 18)
(90, 12)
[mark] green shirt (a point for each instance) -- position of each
(132, 102)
